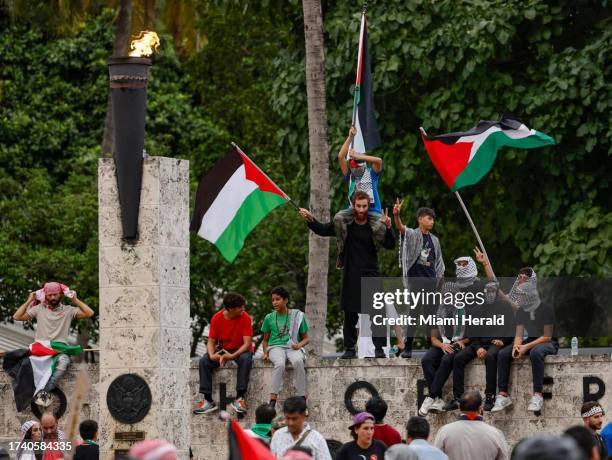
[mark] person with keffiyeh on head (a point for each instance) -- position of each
(451, 347)
(53, 320)
(535, 320)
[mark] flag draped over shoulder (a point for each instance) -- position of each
(232, 198)
(463, 158)
(31, 368)
(245, 447)
(367, 137)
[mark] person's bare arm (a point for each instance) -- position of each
(376, 162)
(480, 257)
(84, 310)
(264, 344)
(211, 349)
(343, 152)
(246, 346)
(22, 312)
(397, 207)
(302, 343)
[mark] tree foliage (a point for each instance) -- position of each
(443, 65)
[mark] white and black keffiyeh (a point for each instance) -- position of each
(525, 293)
(593, 411)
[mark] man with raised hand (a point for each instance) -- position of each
(53, 321)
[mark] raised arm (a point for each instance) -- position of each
(21, 313)
(397, 207)
(343, 152)
(84, 310)
(377, 162)
(480, 257)
(321, 229)
(389, 241)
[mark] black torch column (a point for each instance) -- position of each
(128, 85)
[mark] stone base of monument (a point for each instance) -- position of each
(336, 386)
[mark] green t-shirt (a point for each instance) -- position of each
(278, 327)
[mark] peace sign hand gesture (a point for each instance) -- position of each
(397, 207)
(386, 219)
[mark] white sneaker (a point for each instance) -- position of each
(424, 409)
(501, 402)
(536, 403)
(437, 406)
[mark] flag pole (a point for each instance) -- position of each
(359, 69)
(469, 218)
(286, 196)
(467, 214)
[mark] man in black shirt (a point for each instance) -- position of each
(361, 243)
(89, 450)
(535, 319)
(363, 445)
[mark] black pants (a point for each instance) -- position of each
(207, 366)
(536, 355)
(437, 367)
(349, 332)
(491, 369)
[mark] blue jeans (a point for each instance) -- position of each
(536, 355)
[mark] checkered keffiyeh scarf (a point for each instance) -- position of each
(525, 294)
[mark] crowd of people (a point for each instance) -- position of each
(361, 230)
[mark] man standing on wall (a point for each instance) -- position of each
(420, 255)
(361, 243)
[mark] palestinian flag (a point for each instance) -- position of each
(231, 200)
(31, 368)
(462, 159)
(245, 447)
(367, 137)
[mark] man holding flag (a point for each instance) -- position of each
(360, 259)
(53, 320)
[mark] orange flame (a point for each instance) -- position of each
(145, 43)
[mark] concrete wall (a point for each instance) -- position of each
(396, 381)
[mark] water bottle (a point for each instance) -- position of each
(574, 351)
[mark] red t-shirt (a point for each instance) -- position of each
(229, 332)
(387, 434)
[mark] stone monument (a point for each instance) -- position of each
(144, 310)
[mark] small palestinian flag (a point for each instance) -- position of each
(245, 447)
(231, 200)
(462, 159)
(367, 137)
(31, 368)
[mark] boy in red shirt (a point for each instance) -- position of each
(383, 432)
(230, 338)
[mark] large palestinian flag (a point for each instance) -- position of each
(31, 368)
(463, 159)
(367, 137)
(231, 200)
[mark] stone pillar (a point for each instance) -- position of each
(144, 302)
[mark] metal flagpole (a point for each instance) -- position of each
(286, 196)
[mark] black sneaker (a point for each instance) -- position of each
(407, 353)
(349, 353)
(453, 404)
(489, 402)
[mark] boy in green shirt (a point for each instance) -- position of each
(285, 335)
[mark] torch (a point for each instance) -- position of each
(128, 85)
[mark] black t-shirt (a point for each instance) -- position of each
(351, 451)
(87, 452)
(425, 265)
(543, 315)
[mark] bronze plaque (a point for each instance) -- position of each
(129, 435)
(121, 454)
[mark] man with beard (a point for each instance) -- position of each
(537, 319)
(53, 320)
(593, 416)
(360, 259)
(450, 350)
